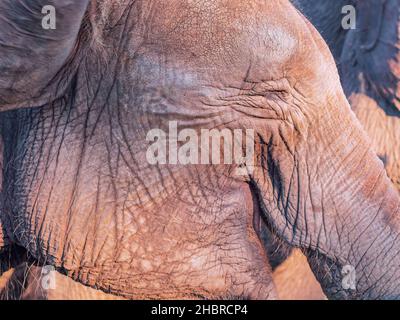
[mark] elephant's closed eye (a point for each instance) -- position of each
(274, 89)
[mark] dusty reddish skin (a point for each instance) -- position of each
(79, 194)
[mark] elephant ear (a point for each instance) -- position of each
(369, 63)
(326, 16)
(32, 55)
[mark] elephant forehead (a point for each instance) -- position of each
(226, 36)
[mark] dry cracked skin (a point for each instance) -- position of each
(78, 193)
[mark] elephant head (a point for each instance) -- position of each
(81, 194)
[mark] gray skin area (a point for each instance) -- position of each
(79, 194)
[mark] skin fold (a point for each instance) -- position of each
(78, 193)
(367, 58)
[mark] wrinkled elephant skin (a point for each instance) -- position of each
(80, 194)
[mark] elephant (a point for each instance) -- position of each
(81, 103)
(368, 61)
